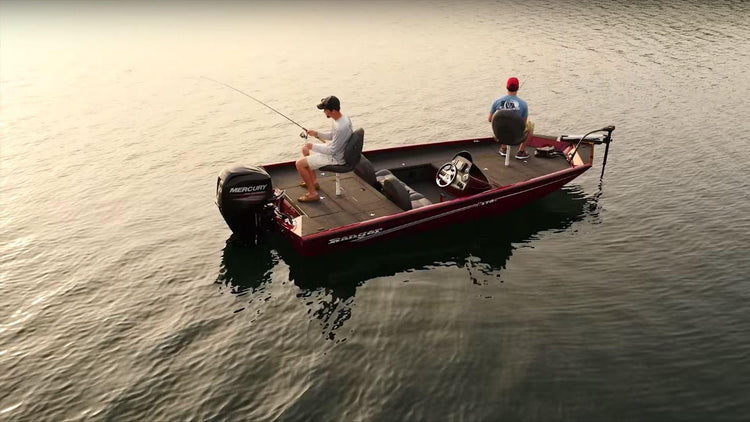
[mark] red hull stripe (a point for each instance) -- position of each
(454, 211)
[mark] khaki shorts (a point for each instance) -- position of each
(317, 160)
(529, 129)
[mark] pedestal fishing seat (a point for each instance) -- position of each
(508, 127)
(352, 154)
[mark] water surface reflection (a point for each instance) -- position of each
(328, 284)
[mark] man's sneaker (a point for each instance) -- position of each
(502, 152)
(522, 155)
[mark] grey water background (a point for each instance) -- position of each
(617, 299)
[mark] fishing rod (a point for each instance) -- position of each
(302, 135)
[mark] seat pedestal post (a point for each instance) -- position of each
(338, 184)
(507, 155)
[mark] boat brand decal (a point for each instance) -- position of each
(355, 237)
(381, 232)
(245, 189)
(370, 234)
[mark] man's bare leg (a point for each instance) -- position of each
(308, 175)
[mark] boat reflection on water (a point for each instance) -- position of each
(328, 284)
(490, 241)
(245, 269)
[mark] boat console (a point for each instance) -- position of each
(460, 174)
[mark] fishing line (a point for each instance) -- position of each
(523, 81)
(260, 102)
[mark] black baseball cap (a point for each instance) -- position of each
(330, 102)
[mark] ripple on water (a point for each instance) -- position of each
(621, 299)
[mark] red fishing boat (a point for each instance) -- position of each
(386, 193)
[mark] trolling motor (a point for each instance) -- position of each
(604, 139)
(246, 200)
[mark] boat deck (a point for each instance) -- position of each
(361, 202)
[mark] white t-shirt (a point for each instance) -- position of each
(341, 130)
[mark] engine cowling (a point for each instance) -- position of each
(244, 195)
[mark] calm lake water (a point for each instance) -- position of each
(617, 299)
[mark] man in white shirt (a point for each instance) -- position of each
(316, 156)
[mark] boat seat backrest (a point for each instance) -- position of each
(508, 127)
(418, 200)
(352, 153)
(403, 196)
(396, 192)
(366, 171)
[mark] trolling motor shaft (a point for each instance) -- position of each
(607, 140)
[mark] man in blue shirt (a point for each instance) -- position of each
(513, 102)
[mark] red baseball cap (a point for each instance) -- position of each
(512, 84)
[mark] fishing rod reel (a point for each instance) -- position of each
(303, 134)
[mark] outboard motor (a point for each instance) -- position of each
(245, 198)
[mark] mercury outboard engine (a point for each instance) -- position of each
(245, 198)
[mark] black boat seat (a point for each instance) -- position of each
(395, 189)
(399, 192)
(365, 170)
(508, 127)
(352, 155)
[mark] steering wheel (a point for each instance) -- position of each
(446, 175)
